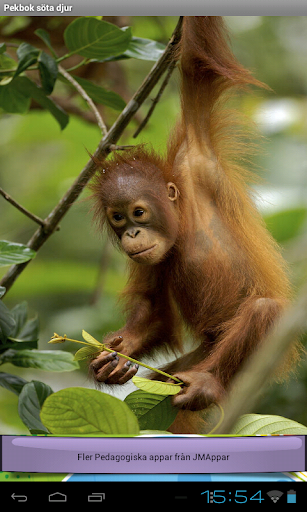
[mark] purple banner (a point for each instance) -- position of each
(153, 454)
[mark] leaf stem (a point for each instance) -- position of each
(219, 422)
(60, 339)
(82, 63)
(145, 365)
(66, 56)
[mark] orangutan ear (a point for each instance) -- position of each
(173, 192)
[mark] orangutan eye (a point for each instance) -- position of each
(117, 217)
(138, 212)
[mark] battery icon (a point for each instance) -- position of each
(291, 496)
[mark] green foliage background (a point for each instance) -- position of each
(39, 162)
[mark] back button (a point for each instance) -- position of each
(19, 497)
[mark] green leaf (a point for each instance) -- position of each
(30, 330)
(155, 433)
(154, 412)
(81, 411)
(101, 95)
(2, 48)
(20, 315)
(15, 344)
(7, 324)
(6, 62)
(25, 49)
(25, 330)
(139, 48)
(48, 360)
(44, 36)
(85, 353)
(15, 324)
(7, 67)
(31, 399)
(13, 99)
(144, 49)
(48, 70)
(2, 291)
(31, 90)
(286, 224)
(12, 382)
(156, 386)
(27, 56)
(253, 424)
(95, 39)
(12, 253)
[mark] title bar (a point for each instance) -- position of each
(158, 8)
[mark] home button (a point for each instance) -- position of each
(57, 497)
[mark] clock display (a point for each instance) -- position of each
(237, 496)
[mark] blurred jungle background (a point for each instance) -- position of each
(73, 282)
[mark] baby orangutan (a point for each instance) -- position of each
(199, 252)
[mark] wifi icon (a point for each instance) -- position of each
(275, 495)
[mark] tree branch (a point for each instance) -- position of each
(102, 151)
(86, 97)
(26, 212)
(157, 98)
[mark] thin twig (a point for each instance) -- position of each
(102, 151)
(103, 264)
(103, 348)
(86, 97)
(13, 45)
(26, 212)
(157, 98)
(114, 147)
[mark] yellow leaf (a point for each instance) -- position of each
(90, 339)
(85, 352)
(156, 386)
